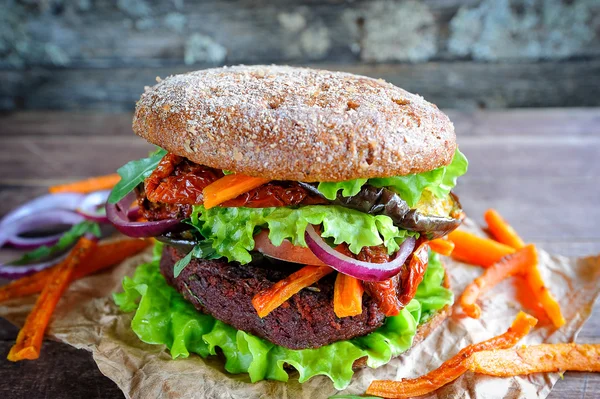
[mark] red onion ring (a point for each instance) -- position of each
(38, 220)
(92, 207)
(68, 201)
(11, 272)
(118, 215)
(361, 270)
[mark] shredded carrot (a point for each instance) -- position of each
(228, 187)
(502, 231)
(477, 250)
(270, 299)
(442, 246)
(88, 185)
(544, 296)
(518, 263)
(105, 255)
(453, 368)
(29, 340)
(542, 358)
(347, 296)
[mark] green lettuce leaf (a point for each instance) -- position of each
(439, 181)
(133, 173)
(232, 229)
(348, 187)
(163, 317)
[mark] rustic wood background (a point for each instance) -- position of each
(539, 168)
(95, 54)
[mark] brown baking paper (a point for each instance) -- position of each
(87, 318)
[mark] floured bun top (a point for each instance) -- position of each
(287, 123)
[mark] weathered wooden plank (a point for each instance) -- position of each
(513, 157)
(575, 386)
(539, 208)
(62, 157)
(53, 123)
(465, 85)
(61, 372)
(155, 33)
(8, 332)
(523, 122)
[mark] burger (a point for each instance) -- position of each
(293, 210)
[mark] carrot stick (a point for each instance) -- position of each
(544, 358)
(29, 340)
(270, 299)
(228, 187)
(105, 255)
(347, 296)
(544, 296)
(453, 368)
(518, 263)
(502, 231)
(441, 246)
(88, 185)
(476, 250)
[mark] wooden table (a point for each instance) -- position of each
(539, 168)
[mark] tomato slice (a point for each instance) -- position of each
(286, 251)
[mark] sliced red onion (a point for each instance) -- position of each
(134, 213)
(361, 270)
(68, 201)
(11, 272)
(118, 215)
(92, 207)
(52, 217)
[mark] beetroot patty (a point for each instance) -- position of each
(225, 290)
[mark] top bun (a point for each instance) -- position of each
(287, 123)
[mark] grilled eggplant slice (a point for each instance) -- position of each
(383, 201)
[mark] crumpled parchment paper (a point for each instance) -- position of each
(87, 318)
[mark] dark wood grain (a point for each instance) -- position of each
(459, 84)
(539, 168)
(458, 53)
(61, 372)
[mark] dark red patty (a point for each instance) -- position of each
(225, 290)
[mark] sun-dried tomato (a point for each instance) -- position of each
(393, 294)
(378, 254)
(385, 294)
(413, 271)
(179, 181)
(274, 194)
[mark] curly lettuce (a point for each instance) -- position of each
(232, 229)
(164, 317)
(439, 181)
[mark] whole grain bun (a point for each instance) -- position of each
(287, 123)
